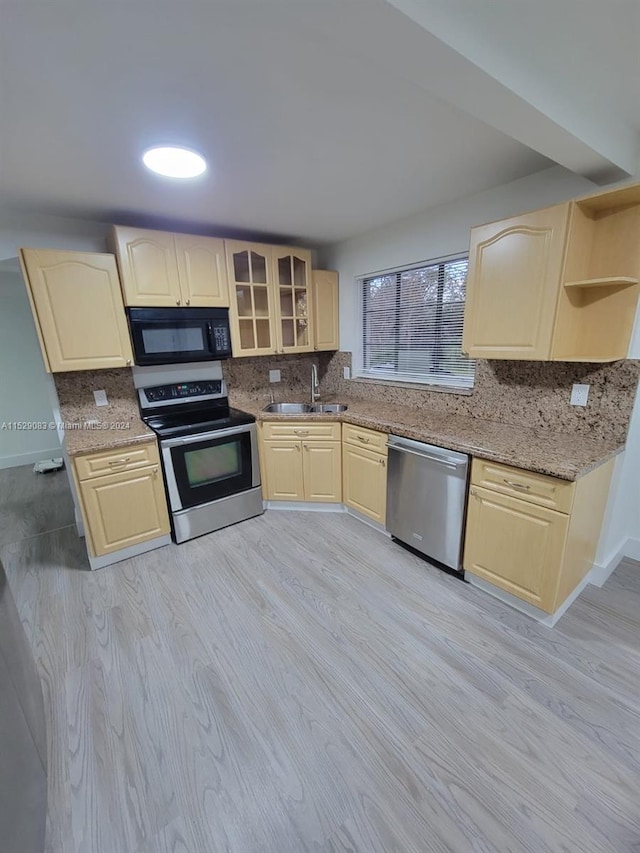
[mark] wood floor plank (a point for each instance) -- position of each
(301, 683)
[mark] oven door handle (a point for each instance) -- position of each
(204, 436)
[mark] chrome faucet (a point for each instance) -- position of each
(315, 385)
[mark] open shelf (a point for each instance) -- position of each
(614, 281)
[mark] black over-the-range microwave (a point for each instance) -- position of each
(173, 335)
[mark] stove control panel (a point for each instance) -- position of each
(164, 393)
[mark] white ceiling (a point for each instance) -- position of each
(320, 119)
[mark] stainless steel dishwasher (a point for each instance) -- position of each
(426, 498)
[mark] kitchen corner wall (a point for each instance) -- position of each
(251, 375)
(527, 393)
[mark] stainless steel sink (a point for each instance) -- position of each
(288, 408)
(329, 408)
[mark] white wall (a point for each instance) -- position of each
(437, 232)
(25, 387)
(41, 231)
(444, 230)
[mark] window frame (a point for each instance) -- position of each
(419, 380)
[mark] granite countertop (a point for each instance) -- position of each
(563, 455)
(115, 428)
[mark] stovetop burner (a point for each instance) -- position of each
(197, 421)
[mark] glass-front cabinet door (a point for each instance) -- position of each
(292, 274)
(252, 314)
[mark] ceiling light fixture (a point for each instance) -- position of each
(174, 162)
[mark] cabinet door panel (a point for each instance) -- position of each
(364, 482)
(78, 308)
(325, 310)
(515, 545)
(515, 269)
(148, 267)
(283, 468)
(294, 306)
(322, 468)
(251, 309)
(202, 270)
(125, 509)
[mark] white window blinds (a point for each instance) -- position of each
(412, 325)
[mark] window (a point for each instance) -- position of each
(412, 325)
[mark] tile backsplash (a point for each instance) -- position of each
(528, 393)
(251, 375)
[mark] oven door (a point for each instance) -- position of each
(202, 468)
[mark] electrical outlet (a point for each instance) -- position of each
(579, 395)
(101, 398)
(346, 372)
(274, 376)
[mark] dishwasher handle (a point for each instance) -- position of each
(440, 460)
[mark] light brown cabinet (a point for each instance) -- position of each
(364, 471)
(122, 497)
(531, 535)
(160, 269)
(78, 310)
(271, 305)
(301, 461)
(557, 284)
(325, 310)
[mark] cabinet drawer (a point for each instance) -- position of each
(296, 430)
(528, 486)
(367, 438)
(126, 458)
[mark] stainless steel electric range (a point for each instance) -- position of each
(209, 451)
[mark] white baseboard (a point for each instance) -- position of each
(601, 571)
(304, 506)
(633, 548)
(365, 520)
(29, 458)
(126, 553)
(541, 616)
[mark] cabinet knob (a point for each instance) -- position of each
(298, 447)
(363, 439)
(315, 347)
(306, 447)
(128, 362)
(155, 472)
(188, 302)
(177, 302)
(383, 462)
(473, 493)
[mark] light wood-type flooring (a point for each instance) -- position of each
(299, 683)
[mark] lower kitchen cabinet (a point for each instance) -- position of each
(126, 506)
(364, 480)
(531, 535)
(322, 471)
(283, 470)
(299, 470)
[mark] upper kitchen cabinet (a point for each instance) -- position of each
(559, 284)
(326, 329)
(159, 269)
(514, 274)
(252, 309)
(148, 267)
(294, 306)
(77, 306)
(202, 271)
(271, 300)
